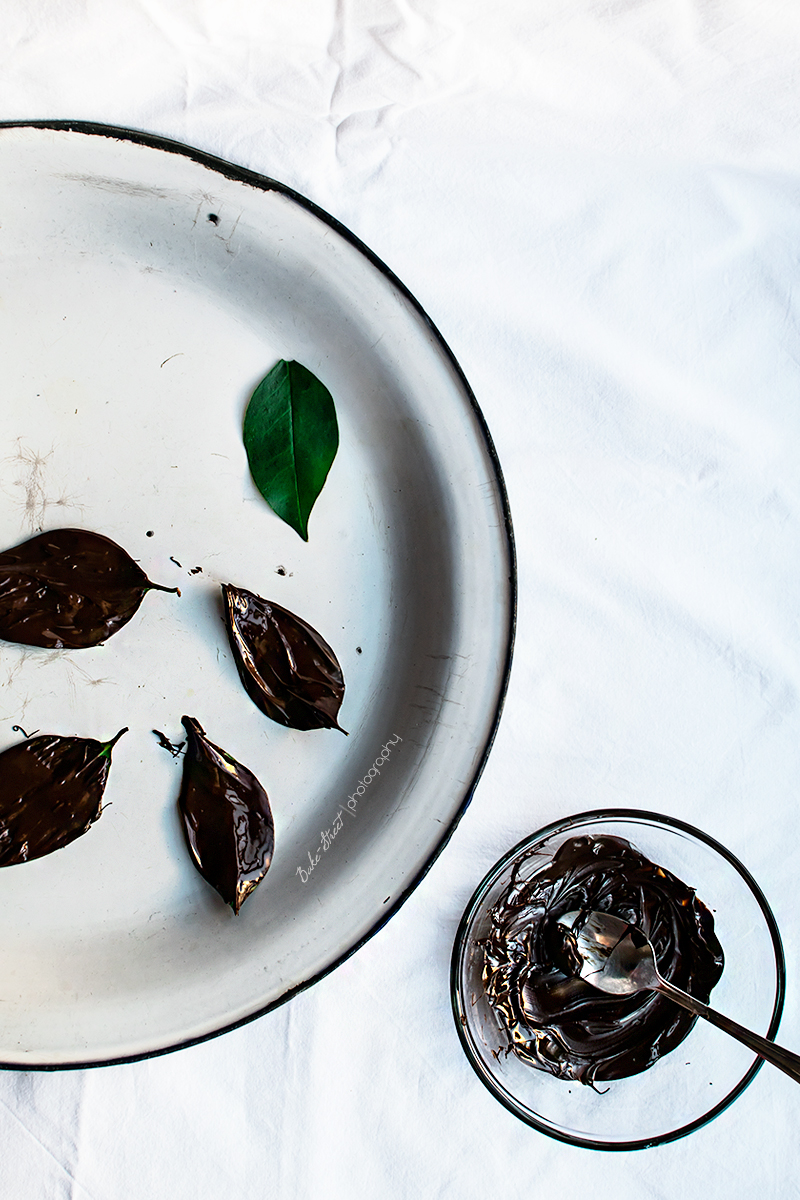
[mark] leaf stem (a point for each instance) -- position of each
(109, 746)
(159, 587)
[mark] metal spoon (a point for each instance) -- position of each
(617, 957)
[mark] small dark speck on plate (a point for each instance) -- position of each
(280, 570)
(386, 901)
(213, 218)
(195, 570)
(177, 564)
(151, 533)
(359, 650)
(173, 747)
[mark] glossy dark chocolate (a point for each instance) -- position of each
(51, 791)
(68, 589)
(288, 670)
(227, 818)
(558, 1022)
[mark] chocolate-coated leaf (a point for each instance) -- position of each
(286, 667)
(226, 818)
(68, 589)
(51, 790)
(291, 437)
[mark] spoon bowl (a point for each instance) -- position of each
(612, 955)
(616, 957)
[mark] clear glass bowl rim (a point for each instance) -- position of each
(474, 904)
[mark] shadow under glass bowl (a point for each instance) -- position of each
(699, 1078)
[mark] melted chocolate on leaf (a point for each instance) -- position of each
(68, 589)
(288, 670)
(51, 789)
(227, 818)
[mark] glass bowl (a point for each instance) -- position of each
(707, 1070)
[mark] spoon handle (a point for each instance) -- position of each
(785, 1060)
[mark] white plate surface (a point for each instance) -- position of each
(144, 291)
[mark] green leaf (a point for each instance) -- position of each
(291, 438)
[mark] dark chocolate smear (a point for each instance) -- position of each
(560, 1023)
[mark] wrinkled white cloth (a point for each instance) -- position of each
(599, 206)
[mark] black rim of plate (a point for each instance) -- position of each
(462, 941)
(265, 184)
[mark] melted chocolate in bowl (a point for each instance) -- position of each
(561, 1024)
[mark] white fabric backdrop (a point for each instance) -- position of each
(599, 206)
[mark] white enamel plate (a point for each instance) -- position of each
(144, 290)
